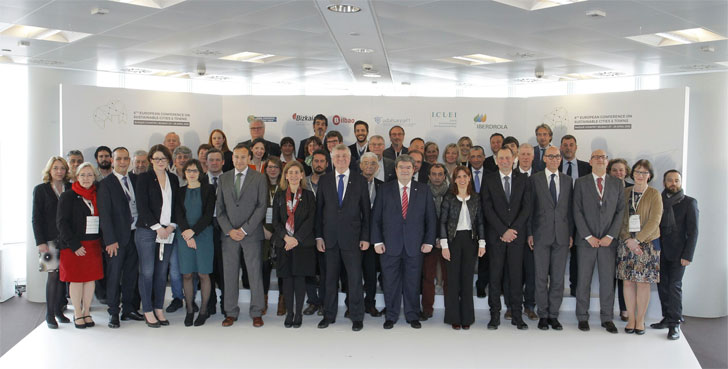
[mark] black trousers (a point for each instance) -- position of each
(670, 290)
(529, 281)
(573, 269)
(316, 285)
(500, 254)
(294, 289)
(483, 272)
(336, 259)
(369, 265)
(217, 274)
(459, 307)
(122, 274)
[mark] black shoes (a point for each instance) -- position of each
(189, 319)
(519, 323)
(639, 332)
(175, 305)
(673, 333)
(555, 324)
(628, 330)
(543, 324)
(133, 315)
(79, 326)
(150, 325)
(288, 323)
(611, 328)
(62, 318)
(415, 324)
(373, 312)
(494, 321)
(388, 324)
(114, 321)
(480, 292)
(297, 321)
(662, 324)
(201, 318)
(424, 316)
(310, 309)
(357, 326)
(51, 322)
(584, 326)
(324, 323)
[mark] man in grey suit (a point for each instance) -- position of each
(242, 198)
(550, 229)
(598, 211)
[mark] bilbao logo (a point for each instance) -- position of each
(480, 118)
(337, 119)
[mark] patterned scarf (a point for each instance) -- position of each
(292, 202)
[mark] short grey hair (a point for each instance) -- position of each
(89, 165)
(404, 157)
(378, 137)
(342, 147)
(184, 150)
(525, 146)
(140, 153)
(258, 120)
(369, 155)
(74, 153)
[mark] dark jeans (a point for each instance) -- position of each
(122, 273)
(153, 272)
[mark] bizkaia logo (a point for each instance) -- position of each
(302, 118)
(336, 119)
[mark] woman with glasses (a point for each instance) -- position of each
(638, 259)
(155, 193)
(195, 209)
(273, 174)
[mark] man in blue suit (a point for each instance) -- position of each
(403, 227)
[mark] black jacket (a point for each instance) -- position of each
(71, 221)
(149, 199)
(680, 243)
(207, 194)
(450, 214)
(303, 256)
(45, 207)
(344, 226)
(114, 213)
(501, 214)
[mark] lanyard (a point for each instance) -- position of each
(636, 203)
(89, 204)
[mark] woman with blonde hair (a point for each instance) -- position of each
(450, 159)
(464, 146)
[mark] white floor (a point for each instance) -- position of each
(436, 345)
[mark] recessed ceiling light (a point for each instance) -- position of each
(524, 54)
(698, 67)
(342, 8)
(607, 74)
(362, 50)
(371, 75)
(253, 57)
(526, 79)
(39, 33)
(157, 4)
(406, 84)
(707, 49)
(537, 4)
(475, 59)
(596, 13)
(354, 34)
(679, 37)
(44, 62)
(7, 50)
(725, 63)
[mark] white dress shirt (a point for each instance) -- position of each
(601, 194)
(346, 182)
(130, 192)
(380, 171)
(165, 217)
(548, 174)
(464, 222)
(529, 171)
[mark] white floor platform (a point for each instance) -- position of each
(436, 345)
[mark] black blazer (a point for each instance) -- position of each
(227, 156)
(389, 153)
(304, 255)
(680, 244)
(149, 199)
(114, 213)
(71, 221)
(450, 215)
(271, 148)
(207, 193)
(389, 172)
(502, 215)
(45, 207)
(355, 152)
(346, 225)
(583, 167)
(489, 165)
(423, 175)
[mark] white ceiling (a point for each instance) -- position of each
(407, 36)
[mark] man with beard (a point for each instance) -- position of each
(361, 132)
(140, 163)
(433, 260)
(103, 161)
(316, 287)
(396, 137)
(320, 125)
(74, 158)
(678, 236)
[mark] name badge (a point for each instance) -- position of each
(269, 216)
(92, 225)
(634, 223)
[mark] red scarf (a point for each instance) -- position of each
(292, 202)
(87, 193)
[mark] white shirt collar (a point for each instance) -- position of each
(346, 174)
(596, 176)
(119, 176)
(244, 171)
(528, 171)
(549, 173)
(510, 175)
(409, 185)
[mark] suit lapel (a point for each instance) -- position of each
(246, 183)
(498, 184)
(543, 186)
(564, 186)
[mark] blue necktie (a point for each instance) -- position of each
(568, 170)
(126, 185)
(341, 189)
(477, 181)
(552, 188)
(540, 158)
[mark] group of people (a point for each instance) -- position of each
(354, 216)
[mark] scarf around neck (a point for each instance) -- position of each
(667, 223)
(87, 193)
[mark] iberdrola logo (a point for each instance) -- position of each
(480, 118)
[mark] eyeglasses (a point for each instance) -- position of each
(552, 156)
(159, 160)
(601, 157)
(188, 170)
(273, 167)
(639, 172)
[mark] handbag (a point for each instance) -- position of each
(49, 261)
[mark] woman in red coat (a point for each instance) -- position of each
(80, 242)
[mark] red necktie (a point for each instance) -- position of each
(600, 187)
(405, 202)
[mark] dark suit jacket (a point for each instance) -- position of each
(149, 198)
(343, 226)
(207, 193)
(228, 164)
(71, 221)
(490, 165)
(400, 234)
(271, 148)
(45, 207)
(389, 172)
(450, 215)
(592, 218)
(355, 157)
(583, 167)
(551, 223)
(304, 255)
(423, 175)
(502, 215)
(114, 215)
(680, 243)
(389, 152)
(538, 163)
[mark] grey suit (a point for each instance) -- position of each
(551, 225)
(246, 212)
(597, 218)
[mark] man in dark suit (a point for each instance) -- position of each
(549, 236)
(370, 259)
(257, 130)
(320, 125)
(475, 163)
(544, 135)
(404, 226)
(333, 139)
(117, 218)
(678, 237)
(215, 164)
(385, 173)
(598, 212)
(422, 168)
(506, 204)
(496, 142)
(342, 232)
(396, 138)
(361, 146)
